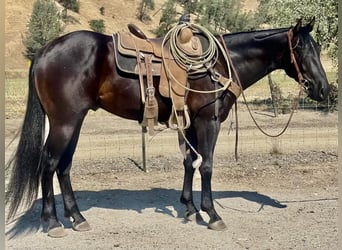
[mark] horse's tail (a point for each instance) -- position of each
(24, 164)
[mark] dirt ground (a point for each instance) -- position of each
(283, 200)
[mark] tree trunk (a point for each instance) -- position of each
(274, 95)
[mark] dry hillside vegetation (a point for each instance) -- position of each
(116, 17)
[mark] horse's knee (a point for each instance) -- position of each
(206, 171)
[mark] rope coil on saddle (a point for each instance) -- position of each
(195, 64)
(192, 62)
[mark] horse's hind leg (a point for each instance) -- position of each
(60, 135)
(63, 173)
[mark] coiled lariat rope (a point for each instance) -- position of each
(194, 64)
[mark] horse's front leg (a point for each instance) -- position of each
(207, 133)
(187, 195)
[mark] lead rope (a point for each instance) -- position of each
(236, 132)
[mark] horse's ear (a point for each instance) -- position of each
(311, 24)
(297, 27)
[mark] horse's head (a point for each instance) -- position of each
(305, 65)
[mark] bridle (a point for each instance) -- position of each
(301, 80)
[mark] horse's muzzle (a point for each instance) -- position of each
(315, 92)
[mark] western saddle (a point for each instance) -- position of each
(146, 57)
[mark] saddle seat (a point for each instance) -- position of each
(129, 43)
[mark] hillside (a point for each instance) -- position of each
(117, 15)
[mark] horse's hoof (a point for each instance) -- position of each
(190, 216)
(194, 217)
(57, 232)
(81, 227)
(218, 226)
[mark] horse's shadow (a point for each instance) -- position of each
(165, 201)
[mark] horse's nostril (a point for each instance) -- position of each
(306, 83)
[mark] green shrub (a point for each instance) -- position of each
(73, 5)
(102, 11)
(97, 25)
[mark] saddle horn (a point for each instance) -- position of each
(135, 30)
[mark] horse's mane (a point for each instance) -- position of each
(257, 34)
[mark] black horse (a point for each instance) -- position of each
(77, 72)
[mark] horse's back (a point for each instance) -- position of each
(69, 70)
(72, 52)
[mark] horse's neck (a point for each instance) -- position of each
(256, 54)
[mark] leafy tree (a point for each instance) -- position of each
(168, 18)
(44, 25)
(97, 25)
(189, 6)
(217, 15)
(143, 8)
(224, 15)
(279, 13)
